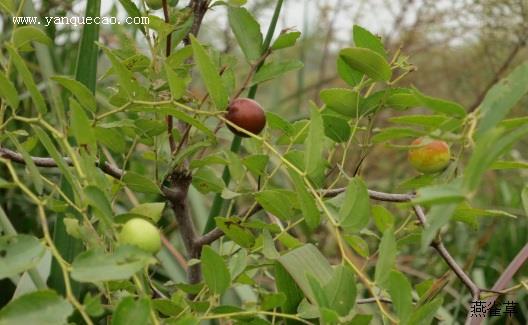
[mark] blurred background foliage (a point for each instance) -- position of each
(460, 48)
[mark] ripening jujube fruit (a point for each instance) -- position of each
(141, 233)
(428, 155)
(246, 114)
(155, 4)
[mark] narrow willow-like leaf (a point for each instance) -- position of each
(79, 90)
(313, 156)
(210, 75)
(27, 78)
(8, 91)
(387, 257)
(367, 61)
(309, 209)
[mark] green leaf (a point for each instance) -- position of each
(358, 244)
(153, 210)
(347, 74)
(313, 156)
(341, 290)
(425, 313)
(317, 291)
(210, 75)
(502, 165)
(336, 128)
(438, 216)
(140, 183)
(178, 114)
(87, 55)
(54, 153)
(215, 271)
(80, 91)
(96, 266)
(127, 82)
(272, 300)
(81, 127)
(368, 62)
(428, 121)
(354, 214)
(387, 257)
(235, 231)
(274, 69)
(361, 319)
(440, 105)
(487, 150)
(501, 98)
(256, 163)
(43, 307)
(383, 218)
(133, 12)
(279, 202)
(303, 260)
(306, 201)
(443, 193)
(343, 101)
(8, 91)
(130, 311)
(112, 138)
(247, 32)
(25, 34)
(30, 164)
(364, 38)
(177, 83)
(27, 78)
(392, 133)
(205, 180)
(285, 40)
(8, 6)
(286, 285)
(19, 253)
(400, 291)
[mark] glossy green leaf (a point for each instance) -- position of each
(80, 91)
(368, 62)
(354, 214)
(443, 193)
(317, 290)
(8, 91)
(272, 300)
(428, 121)
(286, 285)
(501, 98)
(364, 38)
(273, 70)
(96, 266)
(130, 311)
(306, 201)
(343, 101)
(235, 231)
(140, 183)
(278, 202)
(387, 257)
(215, 271)
(18, 254)
(177, 83)
(210, 75)
(112, 138)
(43, 307)
(27, 78)
(393, 133)
(285, 40)
(256, 163)
(247, 32)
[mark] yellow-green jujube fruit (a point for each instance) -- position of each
(141, 233)
(428, 155)
(155, 4)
